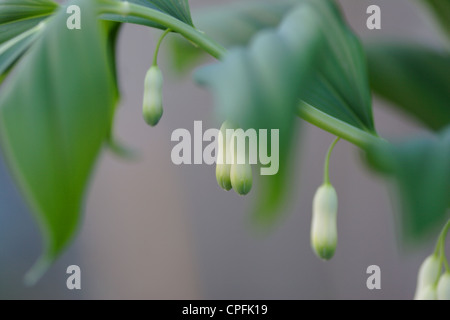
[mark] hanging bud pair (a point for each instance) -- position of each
(232, 169)
(152, 107)
(431, 286)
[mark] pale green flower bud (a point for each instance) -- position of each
(223, 176)
(152, 108)
(443, 288)
(428, 274)
(324, 224)
(223, 166)
(241, 178)
(241, 171)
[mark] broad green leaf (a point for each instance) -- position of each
(55, 113)
(421, 170)
(340, 85)
(230, 24)
(441, 10)
(416, 79)
(19, 20)
(178, 9)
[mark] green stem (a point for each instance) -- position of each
(444, 258)
(440, 246)
(134, 10)
(335, 126)
(158, 45)
(326, 167)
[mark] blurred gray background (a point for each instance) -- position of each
(153, 230)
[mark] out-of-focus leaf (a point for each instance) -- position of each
(231, 25)
(441, 10)
(112, 29)
(19, 21)
(258, 87)
(415, 79)
(176, 8)
(421, 170)
(54, 116)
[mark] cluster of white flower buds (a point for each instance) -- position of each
(233, 170)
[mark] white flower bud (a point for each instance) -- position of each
(152, 107)
(223, 166)
(223, 176)
(443, 288)
(428, 274)
(241, 169)
(324, 224)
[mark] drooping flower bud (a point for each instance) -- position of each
(152, 107)
(443, 288)
(241, 169)
(241, 178)
(223, 165)
(324, 224)
(426, 279)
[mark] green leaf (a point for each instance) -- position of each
(441, 10)
(340, 85)
(178, 9)
(19, 21)
(231, 25)
(421, 170)
(55, 113)
(416, 79)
